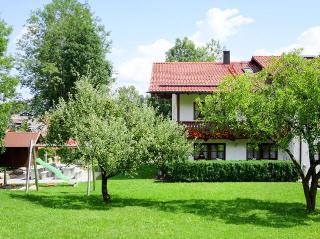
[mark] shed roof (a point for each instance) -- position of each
(20, 139)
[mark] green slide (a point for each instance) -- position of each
(56, 171)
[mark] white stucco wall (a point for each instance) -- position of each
(174, 107)
(305, 163)
(236, 150)
(186, 106)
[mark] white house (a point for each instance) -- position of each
(183, 82)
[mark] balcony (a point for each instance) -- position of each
(192, 124)
(203, 130)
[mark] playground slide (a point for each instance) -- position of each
(56, 171)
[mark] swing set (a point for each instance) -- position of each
(22, 151)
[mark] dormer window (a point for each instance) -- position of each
(247, 69)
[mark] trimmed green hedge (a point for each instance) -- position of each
(231, 171)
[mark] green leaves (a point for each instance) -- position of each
(185, 50)
(63, 42)
(8, 83)
(161, 105)
(276, 104)
(232, 171)
(119, 131)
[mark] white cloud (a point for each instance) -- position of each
(309, 40)
(117, 51)
(219, 24)
(137, 71)
(263, 52)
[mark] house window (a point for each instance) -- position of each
(218, 151)
(263, 151)
(197, 115)
(201, 151)
(210, 151)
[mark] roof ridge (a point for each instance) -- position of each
(265, 55)
(200, 62)
(21, 132)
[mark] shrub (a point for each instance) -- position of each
(231, 171)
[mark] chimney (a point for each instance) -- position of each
(226, 57)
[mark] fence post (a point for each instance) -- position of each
(29, 166)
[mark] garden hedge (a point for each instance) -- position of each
(231, 171)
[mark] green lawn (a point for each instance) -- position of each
(142, 208)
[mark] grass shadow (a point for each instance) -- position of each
(236, 211)
(143, 172)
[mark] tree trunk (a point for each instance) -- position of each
(313, 186)
(105, 195)
(313, 193)
(89, 181)
(93, 177)
(310, 193)
(307, 194)
(5, 177)
(309, 188)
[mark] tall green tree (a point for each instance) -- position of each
(279, 105)
(8, 82)
(186, 50)
(62, 42)
(118, 131)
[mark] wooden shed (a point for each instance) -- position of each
(17, 146)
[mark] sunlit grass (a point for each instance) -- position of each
(143, 208)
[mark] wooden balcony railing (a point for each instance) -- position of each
(193, 124)
(203, 130)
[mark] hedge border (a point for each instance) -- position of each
(231, 171)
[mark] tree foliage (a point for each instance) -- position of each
(215, 50)
(161, 105)
(62, 43)
(278, 104)
(118, 131)
(20, 105)
(186, 50)
(8, 83)
(24, 126)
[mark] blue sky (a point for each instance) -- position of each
(142, 30)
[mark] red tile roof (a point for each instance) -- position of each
(20, 139)
(263, 61)
(193, 77)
